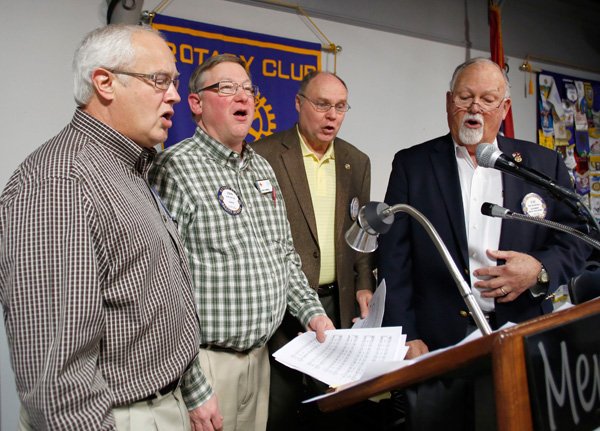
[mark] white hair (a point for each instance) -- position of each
(477, 60)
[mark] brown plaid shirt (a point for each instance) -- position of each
(93, 280)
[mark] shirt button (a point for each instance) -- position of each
(316, 254)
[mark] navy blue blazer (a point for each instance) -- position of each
(421, 294)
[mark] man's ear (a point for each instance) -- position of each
(195, 102)
(507, 103)
(449, 103)
(103, 82)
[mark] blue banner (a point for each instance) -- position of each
(277, 66)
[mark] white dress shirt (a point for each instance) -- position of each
(479, 185)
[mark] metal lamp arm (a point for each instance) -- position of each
(463, 287)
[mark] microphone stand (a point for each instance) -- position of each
(463, 287)
(486, 209)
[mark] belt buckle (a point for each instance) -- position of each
(326, 289)
(165, 390)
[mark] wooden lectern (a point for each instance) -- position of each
(500, 354)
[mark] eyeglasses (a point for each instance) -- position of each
(325, 107)
(161, 80)
(486, 105)
(229, 88)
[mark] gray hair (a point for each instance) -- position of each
(477, 60)
(109, 47)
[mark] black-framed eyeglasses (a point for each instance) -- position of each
(486, 105)
(229, 88)
(161, 80)
(341, 107)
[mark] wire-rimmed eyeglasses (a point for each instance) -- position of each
(341, 107)
(229, 88)
(161, 80)
(486, 105)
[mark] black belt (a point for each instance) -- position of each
(163, 391)
(327, 289)
(216, 348)
(490, 316)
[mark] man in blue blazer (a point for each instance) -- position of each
(511, 266)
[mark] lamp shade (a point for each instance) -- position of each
(359, 239)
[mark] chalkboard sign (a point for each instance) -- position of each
(563, 368)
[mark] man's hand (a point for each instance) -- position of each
(207, 417)
(508, 281)
(416, 348)
(320, 324)
(363, 297)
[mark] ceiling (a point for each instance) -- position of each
(563, 32)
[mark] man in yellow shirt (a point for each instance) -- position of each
(324, 181)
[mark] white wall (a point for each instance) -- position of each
(397, 87)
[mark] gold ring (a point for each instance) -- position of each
(503, 292)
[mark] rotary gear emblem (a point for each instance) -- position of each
(263, 118)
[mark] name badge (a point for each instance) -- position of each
(354, 208)
(534, 206)
(229, 200)
(264, 186)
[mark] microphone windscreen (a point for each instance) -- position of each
(486, 209)
(485, 155)
(493, 210)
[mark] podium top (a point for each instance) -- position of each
(500, 353)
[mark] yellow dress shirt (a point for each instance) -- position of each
(321, 181)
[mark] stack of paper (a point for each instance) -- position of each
(345, 354)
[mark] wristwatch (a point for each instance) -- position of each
(543, 281)
(543, 277)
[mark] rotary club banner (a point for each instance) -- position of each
(276, 64)
(569, 122)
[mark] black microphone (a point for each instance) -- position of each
(489, 156)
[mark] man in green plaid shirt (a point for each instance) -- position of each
(227, 203)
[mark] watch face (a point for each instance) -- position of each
(543, 276)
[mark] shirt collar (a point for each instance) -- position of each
(462, 153)
(113, 142)
(307, 152)
(221, 153)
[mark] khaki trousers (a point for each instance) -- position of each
(241, 382)
(167, 413)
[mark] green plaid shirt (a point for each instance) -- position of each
(244, 267)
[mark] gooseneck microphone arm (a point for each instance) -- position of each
(493, 210)
(463, 287)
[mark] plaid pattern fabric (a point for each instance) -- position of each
(94, 282)
(244, 267)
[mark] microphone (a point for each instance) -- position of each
(489, 156)
(493, 210)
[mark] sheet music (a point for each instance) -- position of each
(376, 309)
(345, 354)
